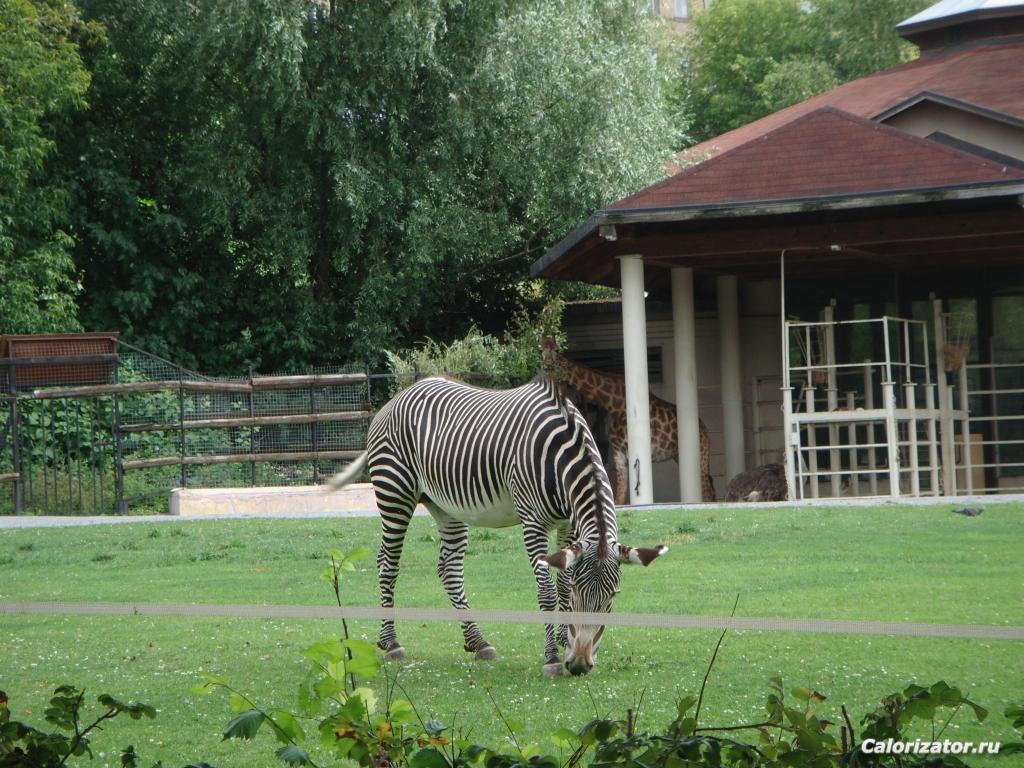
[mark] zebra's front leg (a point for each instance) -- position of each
(451, 571)
(536, 539)
(564, 585)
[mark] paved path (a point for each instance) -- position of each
(356, 502)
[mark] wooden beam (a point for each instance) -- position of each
(174, 385)
(166, 461)
(862, 234)
(251, 421)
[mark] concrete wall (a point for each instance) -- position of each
(761, 354)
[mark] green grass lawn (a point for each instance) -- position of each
(880, 563)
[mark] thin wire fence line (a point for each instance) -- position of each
(642, 620)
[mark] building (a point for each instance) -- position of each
(886, 217)
(678, 12)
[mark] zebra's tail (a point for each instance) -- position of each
(348, 474)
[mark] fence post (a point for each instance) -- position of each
(181, 424)
(15, 436)
(312, 435)
(252, 431)
(119, 501)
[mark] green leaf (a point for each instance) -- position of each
(287, 727)
(244, 726)
(684, 704)
(429, 757)
(329, 650)
(357, 553)
(401, 712)
(309, 701)
(563, 738)
(327, 687)
(238, 703)
(294, 755)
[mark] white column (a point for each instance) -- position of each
(945, 408)
(732, 388)
(687, 417)
(638, 404)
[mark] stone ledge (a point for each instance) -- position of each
(356, 500)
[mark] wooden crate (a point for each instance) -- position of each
(58, 359)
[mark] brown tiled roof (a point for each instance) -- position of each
(824, 152)
(988, 76)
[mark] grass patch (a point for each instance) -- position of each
(883, 563)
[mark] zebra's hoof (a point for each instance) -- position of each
(487, 653)
(554, 669)
(395, 654)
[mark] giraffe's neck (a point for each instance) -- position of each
(604, 389)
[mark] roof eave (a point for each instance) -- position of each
(908, 30)
(1003, 188)
(778, 207)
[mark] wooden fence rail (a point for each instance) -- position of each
(166, 461)
(174, 385)
(251, 421)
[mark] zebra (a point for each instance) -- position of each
(498, 458)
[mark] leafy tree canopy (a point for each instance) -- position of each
(282, 182)
(748, 58)
(42, 82)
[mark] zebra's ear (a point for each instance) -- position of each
(563, 558)
(641, 555)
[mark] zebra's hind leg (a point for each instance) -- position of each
(451, 571)
(395, 513)
(536, 539)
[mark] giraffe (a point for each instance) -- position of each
(608, 390)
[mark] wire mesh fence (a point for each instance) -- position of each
(104, 427)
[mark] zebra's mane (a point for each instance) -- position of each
(576, 421)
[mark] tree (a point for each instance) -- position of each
(42, 83)
(283, 182)
(748, 58)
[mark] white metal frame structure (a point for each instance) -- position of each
(836, 434)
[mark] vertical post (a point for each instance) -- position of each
(313, 436)
(945, 413)
(933, 443)
(869, 405)
(12, 382)
(892, 437)
(835, 463)
(851, 439)
(252, 430)
(638, 406)
(181, 424)
(812, 444)
(791, 444)
(790, 433)
(687, 416)
(755, 419)
(911, 404)
(732, 390)
(119, 500)
(965, 430)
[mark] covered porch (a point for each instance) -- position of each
(915, 254)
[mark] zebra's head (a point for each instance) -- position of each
(594, 569)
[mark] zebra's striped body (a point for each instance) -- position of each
(494, 458)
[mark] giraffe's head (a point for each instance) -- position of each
(594, 569)
(549, 352)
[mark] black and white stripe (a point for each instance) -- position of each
(493, 458)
